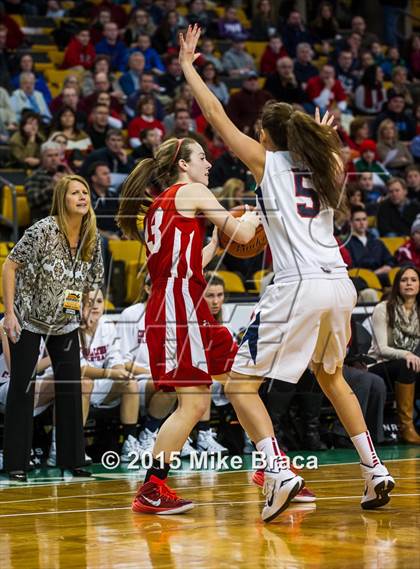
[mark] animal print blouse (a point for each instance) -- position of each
(46, 270)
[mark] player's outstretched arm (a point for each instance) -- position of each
(246, 148)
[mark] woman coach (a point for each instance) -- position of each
(57, 259)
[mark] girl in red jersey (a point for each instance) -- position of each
(187, 346)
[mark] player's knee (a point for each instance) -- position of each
(196, 407)
(235, 388)
(132, 387)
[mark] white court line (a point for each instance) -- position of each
(202, 504)
(130, 493)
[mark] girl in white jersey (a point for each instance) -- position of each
(305, 315)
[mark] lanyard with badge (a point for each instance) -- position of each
(72, 298)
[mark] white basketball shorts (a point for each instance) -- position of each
(295, 324)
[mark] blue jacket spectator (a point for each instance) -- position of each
(40, 85)
(110, 45)
(130, 80)
(366, 251)
(395, 110)
(152, 60)
(147, 87)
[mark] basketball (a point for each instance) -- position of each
(250, 249)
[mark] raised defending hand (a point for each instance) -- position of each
(327, 119)
(188, 45)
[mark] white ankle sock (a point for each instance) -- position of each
(273, 454)
(53, 435)
(365, 448)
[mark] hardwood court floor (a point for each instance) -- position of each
(89, 524)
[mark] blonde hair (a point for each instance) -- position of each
(384, 124)
(227, 195)
(88, 231)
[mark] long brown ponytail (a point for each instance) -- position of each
(150, 174)
(313, 146)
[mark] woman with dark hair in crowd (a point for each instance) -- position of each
(78, 141)
(292, 142)
(25, 144)
(165, 39)
(26, 64)
(264, 22)
(140, 22)
(211, 78)
(66, 121)
(325, 26)
(57, 259)
(370, 95)
(396, 345)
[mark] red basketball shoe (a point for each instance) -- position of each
(155, 497)
(304, 495)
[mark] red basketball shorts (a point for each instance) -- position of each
(187, 346)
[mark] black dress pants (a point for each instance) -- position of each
(64, 352)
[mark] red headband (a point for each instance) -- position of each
(180, 141)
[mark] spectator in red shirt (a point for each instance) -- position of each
(274, 51)
(146, 118)
(325, 90)
(80, 52)
(14, 33)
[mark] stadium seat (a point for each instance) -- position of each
(108, 305)
(368, 276)
(23, 211)
(392, 274)
(371, 221)
(258, 277)
(393, 243)
(126, 250)
(56, 57)
(233, 282)
(133, 254)
(5, 248)
(256, 49)
(133, 282)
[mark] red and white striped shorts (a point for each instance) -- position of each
(187, 346)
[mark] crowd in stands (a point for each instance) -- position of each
(121, 92)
